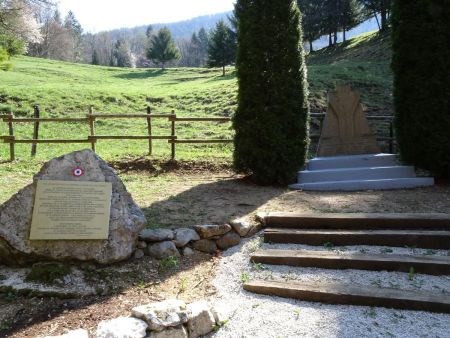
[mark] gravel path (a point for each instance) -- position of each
(258, 316)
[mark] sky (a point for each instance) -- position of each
(100, 15)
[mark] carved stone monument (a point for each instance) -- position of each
(346, 130)
(77, 208)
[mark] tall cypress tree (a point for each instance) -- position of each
(421, 64)
(271, 121)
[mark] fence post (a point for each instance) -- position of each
(149, 127)
(12, 155)
(92, 127)
(391, 135)
(173, 119)
(37, 114)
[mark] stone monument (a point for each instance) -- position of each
(346, 130)
(77, 208)
(349, 158)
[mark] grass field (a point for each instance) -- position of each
(65, 89)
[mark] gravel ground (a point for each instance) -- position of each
(252, 315)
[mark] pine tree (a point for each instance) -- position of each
(222, 47)
(162, 48)
(271, 121)
(95, 58)
(122, 54)
(421, 64)
(312, 19)
(382, 7)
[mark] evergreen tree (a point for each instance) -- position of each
(222, 47)
(203, 45)
(351, 15)
(162, 48)
(75, 32)
(271, 121)
(382, 7)
(122, 54)
(95, 58)
(312, 19)
(421, 64)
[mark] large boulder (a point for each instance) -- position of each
(126, 219)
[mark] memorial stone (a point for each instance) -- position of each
(81, 211)
(346, 130)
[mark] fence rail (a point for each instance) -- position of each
(172, 139)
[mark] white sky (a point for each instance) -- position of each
(99, 15)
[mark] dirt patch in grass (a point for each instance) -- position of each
(157, 167)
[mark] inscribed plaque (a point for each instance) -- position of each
(67, 210)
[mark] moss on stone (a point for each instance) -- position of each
(47, 273)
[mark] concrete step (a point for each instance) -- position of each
(431, 265)
(352, 174)
(338, 293)
(397, 238)
(352, 161)
(375, 184)
(357, 221)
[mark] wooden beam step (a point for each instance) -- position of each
(436, 221)
(397, 238)
(337, 293)
(375, 262)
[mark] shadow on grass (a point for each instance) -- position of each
(151, 73)
(228, 76)
(214, 202)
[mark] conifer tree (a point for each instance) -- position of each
(222, 47)
(421, 64)
(162, 48)
(271, 121)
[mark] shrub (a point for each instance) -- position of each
(421, 63)
(271, 121)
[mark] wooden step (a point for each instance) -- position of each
(337, 293)
(397, 238)
(436, 221)
(376, 262)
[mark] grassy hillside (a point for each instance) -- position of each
(65, 89)
(363, 62)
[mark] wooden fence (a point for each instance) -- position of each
(93, 138)
(172, 139)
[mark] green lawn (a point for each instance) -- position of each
(66, 89)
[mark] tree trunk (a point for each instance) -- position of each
(376, 18)
(330, 41)
(344, 36)
(311, 46)
(335, 36)
(383, 19)
(223, 70)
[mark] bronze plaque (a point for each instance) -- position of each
(67, 210)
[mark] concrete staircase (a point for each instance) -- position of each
(358, 172)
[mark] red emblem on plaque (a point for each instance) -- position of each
(77, 172)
